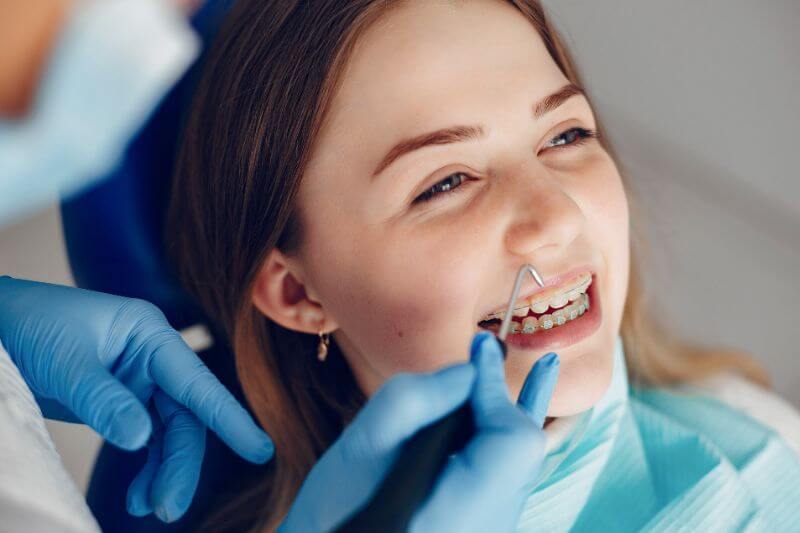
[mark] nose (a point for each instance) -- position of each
(545, 216)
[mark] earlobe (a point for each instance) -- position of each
(280, 294)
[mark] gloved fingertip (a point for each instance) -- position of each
(483, 342)
(136, 503)
(251, 442)
(551, 359)
(538, 388)
(172, 508)
(131, 428)
(477, 339)
(135, 510)
(163, 514)
(172, 493)
(264, 452)
(488, 358)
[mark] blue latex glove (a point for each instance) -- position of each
(105, 360)
(482, 488)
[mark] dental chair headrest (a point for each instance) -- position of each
(114, 231)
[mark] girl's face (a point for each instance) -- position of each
(404, 276)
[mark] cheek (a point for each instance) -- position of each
(606, 203)
(424, 291)
(404, 300)
(605, 206)
(611, 223)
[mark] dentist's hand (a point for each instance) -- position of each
(482, 488)
(107, 361)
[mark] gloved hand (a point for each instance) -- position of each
(105, 360)
(482, 488)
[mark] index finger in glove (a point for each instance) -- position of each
(538, 388)
(177, 370)
(495, 465)
(507, 439)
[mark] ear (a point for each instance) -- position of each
(281, 295)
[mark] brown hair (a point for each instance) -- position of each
(271, 75)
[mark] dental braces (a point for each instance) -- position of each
(506, 325)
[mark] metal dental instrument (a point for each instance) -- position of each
(506, 325)
(424, 456)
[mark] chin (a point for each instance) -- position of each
(581, 383)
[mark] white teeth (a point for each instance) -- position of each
(573, 295)
(549, 321)
(523, 311)
(540, 307)
(560, 317)
(556, 302)
(559, 301)
(530, 324)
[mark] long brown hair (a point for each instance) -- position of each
(271, 75)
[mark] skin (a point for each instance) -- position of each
(401, 286)
(28, 31)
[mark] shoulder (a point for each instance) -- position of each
(763, 405)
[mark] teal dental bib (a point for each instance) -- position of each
(661, 460)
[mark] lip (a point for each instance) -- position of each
(549, 283)
(562, 336)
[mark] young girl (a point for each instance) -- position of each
(367, 176)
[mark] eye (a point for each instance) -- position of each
(571, 137)
(446, 186)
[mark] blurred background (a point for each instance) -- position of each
(700, 101)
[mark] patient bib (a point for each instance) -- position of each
(661, 460)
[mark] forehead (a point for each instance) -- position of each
(428, 63)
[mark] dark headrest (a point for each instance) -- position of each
(114, 231)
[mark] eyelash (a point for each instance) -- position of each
(431, 194)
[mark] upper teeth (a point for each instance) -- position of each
(555, 298)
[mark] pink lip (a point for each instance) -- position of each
(561, 336)
(554, 281)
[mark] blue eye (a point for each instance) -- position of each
(447, 185)
(580, 136)
(569, 138)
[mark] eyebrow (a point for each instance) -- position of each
(456, 134)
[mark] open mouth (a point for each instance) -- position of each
(559, 320)
(551, 310)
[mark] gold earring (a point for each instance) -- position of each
(322, 348)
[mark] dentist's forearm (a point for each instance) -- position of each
(28, 29)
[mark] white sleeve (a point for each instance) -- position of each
(762, 404)
(36, 493)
